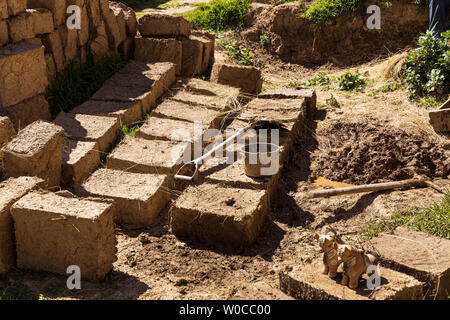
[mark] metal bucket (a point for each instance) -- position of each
(261, 159)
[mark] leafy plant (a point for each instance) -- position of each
(234, 51)
(321, 79)
(264, 39)
(219, 15)
(350, 82)
(332, 102)
(323, 11)
(427, 68)
(434, 220)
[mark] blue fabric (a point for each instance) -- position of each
(438, 16)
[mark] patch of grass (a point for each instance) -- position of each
(219, 15)
(322, 11)
(322, 79)
(236, 52)
(129, 131)
(434, 220)
(350, 82)
(332, 102)
(264, 39)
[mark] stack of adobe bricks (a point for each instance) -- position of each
(36, 43)
(167, 38)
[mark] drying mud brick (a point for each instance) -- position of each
(138, 197)
(170, 109)
(69, 39)
(169, 129)
(416, 253)
(259, 291)
(83, 127)
(120, 17)
(146, 156)
(6, 131)
(192, 56)
(73, 231)
(99, 46)
(11, 190)
(51, 67)
(280, 110)
(57, 7)
(218, 171)
(35, 151)
(42, 20)
(3, 9)
(93, 7)
(159, 50)
(4, 34)
(207, 94)
(112, 27)
(126, 48)
(125, 112)
(16, 6)
(157, 25)
(290, 93)
(29, 111)
(218, 215)
(21, 27)
(307, 283)
(79, 160)
(130, 19)
(248, 79)
(23, 73)
(209, 48)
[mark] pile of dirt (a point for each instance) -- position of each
(358, 153)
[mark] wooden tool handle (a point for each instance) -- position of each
(366, 188)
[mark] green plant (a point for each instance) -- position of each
(427, 68)
(323, 11)
(235, 51)
(219, 15)
(130, 131)
(332, 102)
(321, 79)
(350, 82)
(264, 39)
(434, 220)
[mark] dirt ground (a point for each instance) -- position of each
(154, 264)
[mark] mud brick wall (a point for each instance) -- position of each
(36, 44)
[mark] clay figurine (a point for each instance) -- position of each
(331, 259)
(355, 263)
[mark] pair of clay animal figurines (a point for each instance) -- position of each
(354, 261)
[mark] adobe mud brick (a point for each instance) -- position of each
(53, 44)
(6, 131)
(84, 127)
(219, 216)
(16, 6)
(174, 110)
(23, 73)
(209, 46)
(57, 7)
(79, 160)
(259, 291)
(172, 130)
(421, 255)
(308, 283)
(120, 17)
(54, 232)
(21, 27)
(159, 50)
(42, 20)
(4, 33)
(220, 172)
(290, 93)
(29, 111)
(35, 151)
(248, 79)
(112, 27)
(125, 112)
(130, 19)
(138, 197)
(11, 190)
(146, 156)
(3, 9)
(157, 25)
(192, 56)
(207, 94)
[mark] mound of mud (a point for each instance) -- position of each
(359, 154)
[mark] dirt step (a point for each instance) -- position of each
(80, 159)
(72, 231)
(138, 82)
(147, 156)
(83, 127)
(35, 151)
(418, 254)
(138, 197)
(126, 112)
(218, 215)
(308, 283)
(259, 291)
(174, 110)
(11, 190)
(205, 93)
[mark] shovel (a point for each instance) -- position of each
(192, 166)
